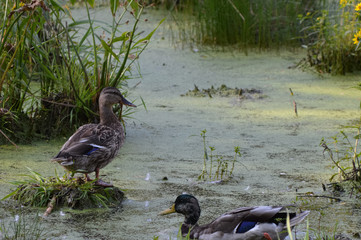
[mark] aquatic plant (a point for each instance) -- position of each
(242, 24)
(52, 192)
(22, 228)
(220, 170)
(347, 159)
(51, 71)
(310, 201)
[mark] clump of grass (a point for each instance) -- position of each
(52, 66)
(347, 159)
(53, 192)
(219, 168)
(22, 228)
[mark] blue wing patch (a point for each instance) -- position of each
(245, 226)
(92, 150)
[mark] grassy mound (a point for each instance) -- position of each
(56, 192)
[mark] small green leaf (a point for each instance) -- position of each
(114, 6)
(91, 3)
(123, 37)
(143, 103)
(357, 136)
(57, 6)
(289, 226)
(108, 49)
(134, 5)
(149, 36)
(9, 195)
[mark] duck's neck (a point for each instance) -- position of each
(188, 229)
(107, 116)
(190, 222)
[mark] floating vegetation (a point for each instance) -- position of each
(220, 168)
(53, 192)
(224, 91)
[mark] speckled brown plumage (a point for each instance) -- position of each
(93, 146)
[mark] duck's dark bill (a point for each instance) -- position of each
(126, 102)
(168, 211)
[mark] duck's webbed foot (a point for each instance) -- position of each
(88, 179)
(267, 236)
(100, 182)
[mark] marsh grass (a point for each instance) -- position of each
(318, 231)
(242, 24)
(22, 228)
(219, 168)
(69, 62)
(54, 192)
(317, 234)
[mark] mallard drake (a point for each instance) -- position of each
(93, 146)
(251, 223)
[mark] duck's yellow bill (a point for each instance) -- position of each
(168, 211)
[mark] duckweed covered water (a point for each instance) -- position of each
(163, 153)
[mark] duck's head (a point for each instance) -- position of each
(111, 96)
(188, 206)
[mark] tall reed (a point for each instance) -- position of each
(243, 24)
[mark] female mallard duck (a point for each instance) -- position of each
(93, 146)
(251, 223)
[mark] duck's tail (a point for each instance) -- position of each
(63, 161)
(298, 218)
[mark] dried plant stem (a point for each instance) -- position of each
(295, 107)
(8, 139)
(50, 207)
(355, 159)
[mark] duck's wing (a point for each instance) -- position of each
(86, 140)
(250, 223)
(240, 220)
(84, 131)
(298, 218)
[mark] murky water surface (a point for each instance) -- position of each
(281, 158)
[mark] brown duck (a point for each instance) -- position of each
(244, 223)
(93, 146)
